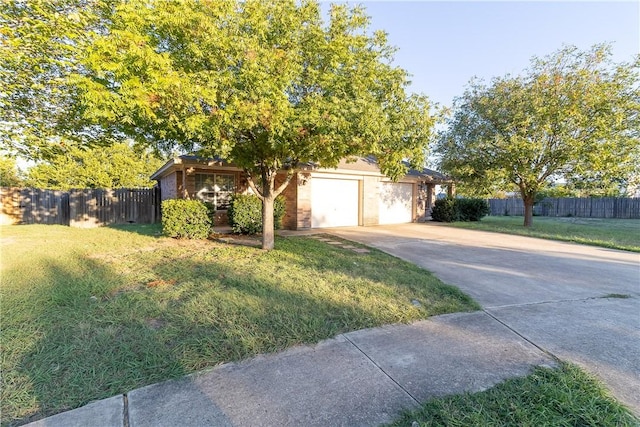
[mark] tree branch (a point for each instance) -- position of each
(286, 182)
(253, 186)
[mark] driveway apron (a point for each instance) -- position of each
(579, 303)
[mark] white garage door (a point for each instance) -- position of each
(395, 206)
(334, 202)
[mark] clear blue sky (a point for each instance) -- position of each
(444, 44)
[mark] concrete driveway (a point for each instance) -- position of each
(576, 302)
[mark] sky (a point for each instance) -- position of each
(444, 44)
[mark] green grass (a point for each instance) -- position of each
(547, 397)
(621, 234)
(88, 314)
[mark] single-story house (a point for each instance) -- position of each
(355, 193)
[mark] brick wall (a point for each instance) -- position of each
(169, 187)
(370, 200)
(179, 185)
(297, 197)
(303, 208)
(415, 203)
(290, 195)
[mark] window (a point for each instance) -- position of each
(215, 188)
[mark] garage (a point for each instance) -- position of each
(334, 202)
(396, 203)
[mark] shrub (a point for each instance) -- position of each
(449, 210)
(245, 213)
(444, 210)
(211, 211)
(185, 219)
(472, 209)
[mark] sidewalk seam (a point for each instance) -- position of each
(382, 370)
(545, 351)
(125, 411)
(548, 302)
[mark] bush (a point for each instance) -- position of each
(444, 210)
(188, 219)
(472, 209)
(449, 210)
(245, 213)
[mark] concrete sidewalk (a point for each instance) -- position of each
(361, 378)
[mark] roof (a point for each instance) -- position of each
(370, 164)
(210, 162)
(361, 164)
(429, 175)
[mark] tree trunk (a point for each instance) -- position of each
(268, 239)
(268, 195)
(528, 210)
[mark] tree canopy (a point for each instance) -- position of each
(116, 166)
(40, 45)
(267, 85)
(572, 116)
(9, 173)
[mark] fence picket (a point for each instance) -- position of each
(79, 208)
(586, 207)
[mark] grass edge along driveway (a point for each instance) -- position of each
(622, 234)
(91, 313)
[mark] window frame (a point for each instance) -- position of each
(220, 199)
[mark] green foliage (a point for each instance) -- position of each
(117, 166)
(264, 84)
(9, 174)
(472, 209)
(279, 209)
(467, 209)
(211, 211)
(40, 50)
(444, 210)
(259, 83)
(188, 219)
(245, 213)
(572, 115)
(556, 191)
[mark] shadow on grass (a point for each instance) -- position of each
(153, 230)
(98, 327)
(86, 349)
(406, 278)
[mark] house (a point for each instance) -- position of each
(355, 193)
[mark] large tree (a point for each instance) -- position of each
(267, 85)
(115, 166)
(572, 116)
(40, 42)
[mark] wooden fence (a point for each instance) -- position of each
(79, 208)
(600, 207)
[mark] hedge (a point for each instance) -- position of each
(245, 213)
(188, 219)
(450, 209)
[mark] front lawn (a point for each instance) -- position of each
(88, 314)
(548, 397)
(621, 234)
